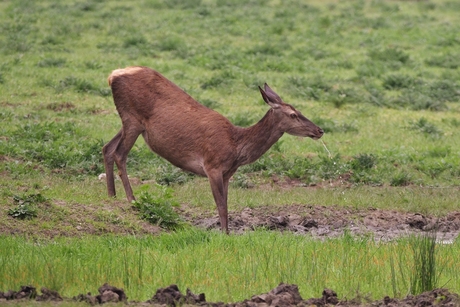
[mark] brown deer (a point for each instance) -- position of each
(190, 135)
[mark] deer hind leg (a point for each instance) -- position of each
(117, 151)
(108, 152)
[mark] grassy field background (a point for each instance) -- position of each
(380, 77)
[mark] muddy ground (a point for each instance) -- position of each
(332, 221)
(284, 295)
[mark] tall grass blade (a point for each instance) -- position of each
(424, 277)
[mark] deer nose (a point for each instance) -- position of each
(320, 131)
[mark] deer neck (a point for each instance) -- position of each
(254, 141)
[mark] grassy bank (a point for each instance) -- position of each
(225, 268)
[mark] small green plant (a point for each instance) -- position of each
(168, 174)
(389, 55)
(331, 168)
(301, 168)
(448, 60)
(174, 44)
(434, 169)
(443, 90)
(213, 82)
(157, 208)
(425, 127)
(417, 100)
(77, 84)
(218, 80)
(452, 122)
(362, 167)
(397, 81)
(342, 96)
(363, 162)
(135, 41)
(26, 206)
(52, 62)
(376, 96)
(401, 179)
(93, 64)
(271, 162)
(370, 68)
(439, 152)
(313, 88)
(266, 49)
(242, 181)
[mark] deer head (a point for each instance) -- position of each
(290, 120)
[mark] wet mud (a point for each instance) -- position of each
(333, 221)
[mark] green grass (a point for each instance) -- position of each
(431, 201)
(381, 78)
(365, 97)
(225, 268)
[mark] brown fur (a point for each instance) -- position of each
(188, 134)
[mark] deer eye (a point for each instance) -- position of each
(293, 115)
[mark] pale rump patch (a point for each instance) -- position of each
(123, 71)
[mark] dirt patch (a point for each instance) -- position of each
(333, 221)
(120, 217)
(60, 106)
(285, 295)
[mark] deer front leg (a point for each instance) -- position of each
(219, 189)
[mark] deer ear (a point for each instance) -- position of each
(270, 97)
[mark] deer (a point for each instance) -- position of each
(190, 135)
